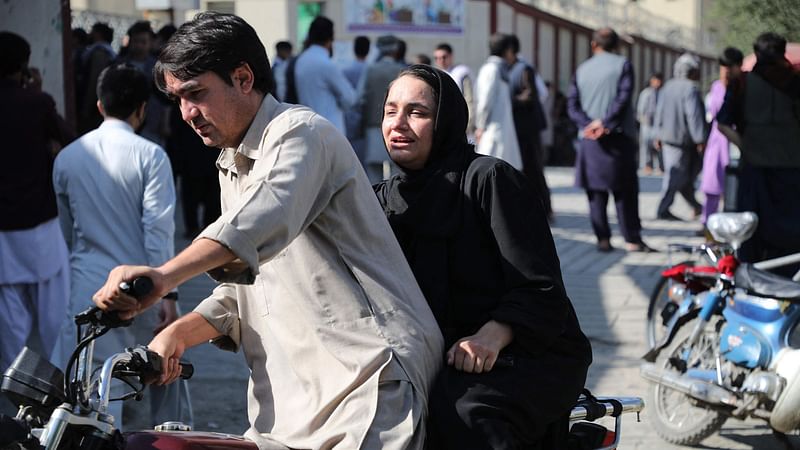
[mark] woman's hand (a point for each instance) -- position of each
(478, 353)
(111, 298)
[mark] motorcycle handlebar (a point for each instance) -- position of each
(137, 289)
(143, 362)
(585, 411)
(187, 369)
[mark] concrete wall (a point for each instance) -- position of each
(683, 12)
(122, 7)
(273, 20)
(39, 22)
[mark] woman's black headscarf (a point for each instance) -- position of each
(424, 206)
(426, 200)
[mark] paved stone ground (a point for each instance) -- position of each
(610, 293)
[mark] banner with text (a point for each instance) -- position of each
(422, 16)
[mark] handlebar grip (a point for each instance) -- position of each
(187, 370)
(138, 288)
(148, 365)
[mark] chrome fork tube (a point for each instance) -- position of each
(85, 362)
(105, 380)
(54, 430)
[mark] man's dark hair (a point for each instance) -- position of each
(730, 57)
(499, 43)
(214, 42)
(514, 43)
(361, 46)
(658, 76)
(400, 53)
(122, 89)
(446, 47)
(141, 26)
(606, 38)
(320, 31)
(80, 36)
(105, 32)
(166, 32)
(14, 53)
(769, 47)
(282, 46)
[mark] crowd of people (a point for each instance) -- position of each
(437, 312)
(500, 129)
(192, 168)
(689, 139)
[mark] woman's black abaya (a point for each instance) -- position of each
(476, 236)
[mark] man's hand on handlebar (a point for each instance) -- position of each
(111, 298)
(170, 347)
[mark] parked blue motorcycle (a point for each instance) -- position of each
(730, 351)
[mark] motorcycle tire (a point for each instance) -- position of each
(659, 299)
(676, 417)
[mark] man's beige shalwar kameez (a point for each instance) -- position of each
(334, 328)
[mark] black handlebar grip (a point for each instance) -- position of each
(138, 288)
(187, 370)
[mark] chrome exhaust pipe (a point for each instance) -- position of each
(699, 389)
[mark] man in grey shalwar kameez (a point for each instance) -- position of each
(599, 102)
(680, 130)
(315, 290)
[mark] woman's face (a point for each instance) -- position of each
(408, 121)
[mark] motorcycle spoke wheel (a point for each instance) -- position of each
(658, 301)
(678, 418)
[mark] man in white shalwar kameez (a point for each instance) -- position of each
(116, 203)
(495, 134)
(315, 290)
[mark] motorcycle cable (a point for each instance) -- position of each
(94, 317)
(125, 375)
(70, 382)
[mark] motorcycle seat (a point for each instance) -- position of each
(766, 284)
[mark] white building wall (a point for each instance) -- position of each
(121, 7)
(505, 18)
(39, 22)
(564, 59)
(547, 57)
(524, 32)
(583, 48)
(273, 20)
(683, 12)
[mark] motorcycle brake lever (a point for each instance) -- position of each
(148, 365)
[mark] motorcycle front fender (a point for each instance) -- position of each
(686, 312)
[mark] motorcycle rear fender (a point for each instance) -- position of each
(686, 312)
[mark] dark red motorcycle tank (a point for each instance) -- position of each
(185, 440)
